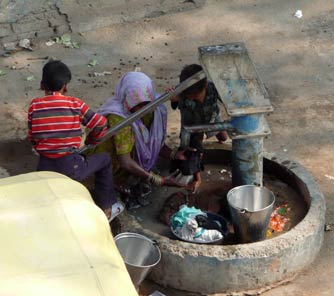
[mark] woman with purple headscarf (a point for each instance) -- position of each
(135, 149)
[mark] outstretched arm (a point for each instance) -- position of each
(130, 165)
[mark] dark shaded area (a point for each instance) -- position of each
(17, 157)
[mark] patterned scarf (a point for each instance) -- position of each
(132, 89)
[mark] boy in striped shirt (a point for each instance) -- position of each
(54, 129)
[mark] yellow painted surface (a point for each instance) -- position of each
(56, 241)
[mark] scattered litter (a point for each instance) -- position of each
(30, 78)
(67, 41)
(285, 150)
(278, 218)
(38, 58)
(140, 219)
(50, 42)
(329, 177)
(25, 43)
(298, 14)
(99, 74)
(6, 54)
(329, 227)
(223, 171)
(16, 68)
(209, 172)
(10, 46)
(92, 63)
(2, 73)
(137, 69)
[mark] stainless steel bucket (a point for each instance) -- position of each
(139, 253)
(250, 207)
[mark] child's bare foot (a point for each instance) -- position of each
(193, 187)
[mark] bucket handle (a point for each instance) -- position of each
(243, 211)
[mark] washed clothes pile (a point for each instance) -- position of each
(191, 224)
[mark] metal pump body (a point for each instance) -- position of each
(246, 102)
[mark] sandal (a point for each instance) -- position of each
(116, 209)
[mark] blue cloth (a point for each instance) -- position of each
(185, 213)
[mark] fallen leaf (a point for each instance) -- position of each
(30, 78)
(67, 41)
(281, 211)
(75, 44)
(92, 63)
(66, 38)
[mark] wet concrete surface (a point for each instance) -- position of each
(212, 198)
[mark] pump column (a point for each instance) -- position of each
(247, 153)
(246, 101)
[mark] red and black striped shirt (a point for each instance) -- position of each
(54, 124)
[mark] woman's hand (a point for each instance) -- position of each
(170, 180)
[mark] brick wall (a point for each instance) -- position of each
(44, 22)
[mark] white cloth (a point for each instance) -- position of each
(190, 230)
(209, 235)
(298, 14)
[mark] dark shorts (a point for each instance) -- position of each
(79, 168)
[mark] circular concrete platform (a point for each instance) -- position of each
(211, 269)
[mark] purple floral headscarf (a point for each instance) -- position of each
(132, 89)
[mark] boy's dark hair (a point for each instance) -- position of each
(188, 71)
(55, 75)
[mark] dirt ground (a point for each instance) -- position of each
(294, 57)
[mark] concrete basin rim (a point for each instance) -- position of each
(313, 222)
